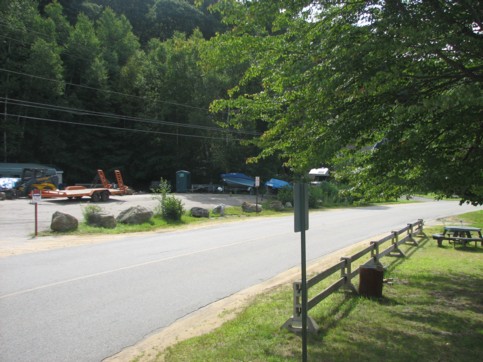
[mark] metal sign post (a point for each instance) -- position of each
(301, 224)
(257, 185)
(36, 198)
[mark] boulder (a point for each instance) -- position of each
(276, 205)
(219, 210)
(2, 196)
(288, 205)
(102, 220)
(199, 212)
(63, 222)
(135, 215)
(247, 207)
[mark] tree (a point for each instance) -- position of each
(335, 80)
(169, 16)
(32, 72)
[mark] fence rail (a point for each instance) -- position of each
(405, 235)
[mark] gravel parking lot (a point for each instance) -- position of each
(17, 217)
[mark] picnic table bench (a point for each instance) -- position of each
(459, 235)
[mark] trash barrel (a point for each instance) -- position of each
(183, 181)
(371, 278)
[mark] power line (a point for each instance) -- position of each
(63, 82)
(100, 90)
(64, 51)
(18, 116)
(82, 112)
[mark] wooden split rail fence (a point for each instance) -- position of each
(347, 272)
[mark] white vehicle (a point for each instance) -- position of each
(317, 175)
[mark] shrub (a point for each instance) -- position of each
(160, 193)
(172, 209)
(285, 195)
(325, 194)
(89, 210)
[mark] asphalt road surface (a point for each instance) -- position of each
(87, 303)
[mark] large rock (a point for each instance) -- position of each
(135, 215)
(199, 212)
(276, 205)
(219, 210)
(63, 222)
(247, 207)
(102, 220)
(3, 196)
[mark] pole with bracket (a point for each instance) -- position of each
(301, 224)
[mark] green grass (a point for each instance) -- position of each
(157, 223)
(433, 311)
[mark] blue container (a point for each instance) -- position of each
(183, 181)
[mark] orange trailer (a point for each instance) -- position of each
(96, 194)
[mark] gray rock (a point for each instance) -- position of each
(199, 212)
(247, 207)
(2, 196)
(63, 222)
(135, 215)
(102, 220)
(276, 205)
(219, 210)
(288, 205)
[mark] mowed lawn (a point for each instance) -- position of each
(432, 311)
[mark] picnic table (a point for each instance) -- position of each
(459, 234)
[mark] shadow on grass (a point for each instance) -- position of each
(469, 249)
(391, 262)
(335, 315)
(444, 329)
(433, 318)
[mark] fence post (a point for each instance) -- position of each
(395, 240)
(346, 273)
(375, 250)
(420, 228)
(410, 234)
(294, 324)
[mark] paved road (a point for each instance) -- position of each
(89, 302)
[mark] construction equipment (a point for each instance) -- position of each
(96, 194)
(23, 178)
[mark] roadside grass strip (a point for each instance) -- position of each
(431, 311)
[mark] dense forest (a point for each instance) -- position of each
(116, 85)
(388, 94)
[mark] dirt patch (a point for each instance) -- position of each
(50, 243)
(450, 220)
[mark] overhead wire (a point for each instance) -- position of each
(18, 116)
(83, 112)
(35, 105)
(100, 90)
(24, 43)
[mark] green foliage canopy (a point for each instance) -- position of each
(388, 93)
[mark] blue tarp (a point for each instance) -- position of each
(276, 184)
(7, 183)
(238, 179)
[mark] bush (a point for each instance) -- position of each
(285, 195)
(160, 193)
(172, 209)
(89, 210)
(325, 194)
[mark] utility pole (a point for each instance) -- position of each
(5, 129)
